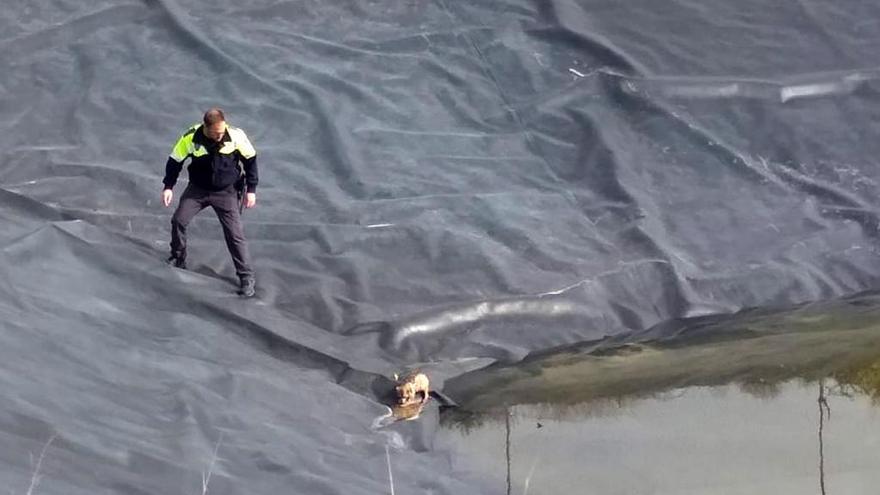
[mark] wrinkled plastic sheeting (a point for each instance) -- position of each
(442, 183)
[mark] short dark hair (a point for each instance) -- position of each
(213, 116)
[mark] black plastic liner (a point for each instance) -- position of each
(444, 185)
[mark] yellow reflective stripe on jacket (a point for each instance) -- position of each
(198, 150)
(241, 142)
(184, 146)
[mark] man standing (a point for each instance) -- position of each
(222, 162)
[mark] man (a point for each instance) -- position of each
(222, 161)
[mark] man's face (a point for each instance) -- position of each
(215, 132)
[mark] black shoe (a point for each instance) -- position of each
(247, 287)
(176, 262)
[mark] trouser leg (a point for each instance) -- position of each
(190, 204)
(225, 204)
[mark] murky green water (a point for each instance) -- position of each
(785, 403)
(698, 440)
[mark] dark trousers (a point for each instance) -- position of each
(226, 205)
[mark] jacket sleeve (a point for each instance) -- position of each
(175, 161)
(251, 175)
(248, 156)
(172, 171)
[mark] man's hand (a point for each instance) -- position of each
(167, 196)
(250, 200)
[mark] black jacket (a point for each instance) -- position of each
(214, 166)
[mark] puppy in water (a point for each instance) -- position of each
(412, 388)
(408, 398)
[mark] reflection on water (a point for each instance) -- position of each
(696, 440)
(782, 409)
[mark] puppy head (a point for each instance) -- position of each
(406, 392)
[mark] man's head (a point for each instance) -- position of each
(215, 124)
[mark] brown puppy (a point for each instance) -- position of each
(411, 388)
